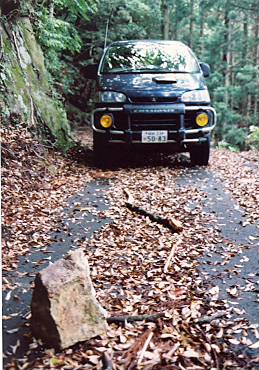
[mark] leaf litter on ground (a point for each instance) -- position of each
(127, 259)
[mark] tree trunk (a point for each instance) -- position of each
(191, 24)
(201, 32)
(51, 9)
(245, 39)
(226, 56)
(231, 61)
(249, 105)
(175, 21)
(165, 26)
(245, 99)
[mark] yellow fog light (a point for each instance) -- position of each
(202, 119)
(106, 121)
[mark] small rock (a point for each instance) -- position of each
(64, 307)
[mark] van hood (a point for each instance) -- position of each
(155, 84)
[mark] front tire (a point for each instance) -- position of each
(100, 150)
(200, 153)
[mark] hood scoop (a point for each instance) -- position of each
(163, 80)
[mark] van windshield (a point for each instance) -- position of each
(148, 58)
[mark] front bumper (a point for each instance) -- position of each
(177, 119)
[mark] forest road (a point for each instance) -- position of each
(221, 266)
(236, 270)
(77, 224)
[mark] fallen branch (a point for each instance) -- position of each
(142, 353)
(153, 317)
(207, 319)
(131, 358)
(172, 224)
(128, 318)
(171, 255)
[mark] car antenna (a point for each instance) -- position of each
(107, 28)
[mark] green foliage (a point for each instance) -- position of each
(127, 20)
(236, 136)
(57, 30)
(222, 33)
(80, 8)
(224, 145)
(253, 137)
(56, 36)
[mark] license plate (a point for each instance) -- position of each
(154, 136)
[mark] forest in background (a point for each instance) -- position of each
(223, 33)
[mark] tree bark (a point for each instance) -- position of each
(175, 21)
(51, 9)
(244, 104)
(201, 32)
(165, 26)
(191, 24)
(226, 55)
(245, 39)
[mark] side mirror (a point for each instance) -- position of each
(205, 69)
(90, 71)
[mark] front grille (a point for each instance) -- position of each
(121, 120)
(149, 121)
(154, 122)
(152, 99)
(189, 120)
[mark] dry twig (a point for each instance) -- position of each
(142, 353)
(130, 358)
(153, 317)
(206, 319)
(172, 224)
(171, 255)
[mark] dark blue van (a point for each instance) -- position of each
(153, 94)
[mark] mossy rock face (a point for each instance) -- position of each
(26, 89)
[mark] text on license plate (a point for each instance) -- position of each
(154, 136)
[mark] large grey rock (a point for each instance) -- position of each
(64, 307)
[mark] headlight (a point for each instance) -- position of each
(112, 97)
(106, 120)
(202, 119)
(196, 96)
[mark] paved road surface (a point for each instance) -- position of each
(236, 270)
